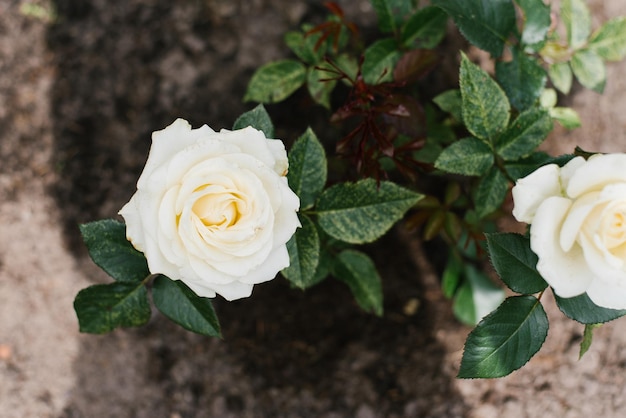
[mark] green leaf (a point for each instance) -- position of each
(485, 106)
(589, 69)
(112, 252)
(304, 46)
(275, 81)
(585, 344)
(304, 254)
(363, 211)
(525, 166)
(103, 307)
(307, 168)
(525, 134)
(379, 60)
(561, 76)
(258, 118)
(451, 276)
(319, 85)
(450, 101)
(583, 310)
(476, 297)
(390, 13)
(425, 28)
(515, 263)
(468, 156)
(491, 192)
(506, 339)
(180, 304)
(566, 116)
(575, 15)
(357, 270)
(485, 23)
(536, 20)
(609, 41)
(522, 78)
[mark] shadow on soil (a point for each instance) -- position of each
(128, 68)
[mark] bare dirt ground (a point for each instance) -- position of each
(79, 96)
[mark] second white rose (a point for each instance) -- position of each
(213, 209)
(578, 226)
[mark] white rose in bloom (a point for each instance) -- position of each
(213, 209)
(578, 226)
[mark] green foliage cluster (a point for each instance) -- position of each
(456, 153)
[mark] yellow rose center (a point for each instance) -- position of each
(614, 227)
(219, 210)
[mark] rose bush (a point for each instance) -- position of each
(578, 226)
(213, 209)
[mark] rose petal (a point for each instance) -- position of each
(596, 173)
(567, 272)
(607, 295)
(573, 222)
(530, 191)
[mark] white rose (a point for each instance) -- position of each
(213, 210)
(578, 226)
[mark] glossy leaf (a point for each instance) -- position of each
(451, 276)
(583, 310)
(379, 60)
(357, 270)
(363, 211)
(515, 262)
(609, 41)
(304, 254)
(390, 13)
(589, 69)
(112, 252)
(485, 23)
(425, 28)
(522, 78)
(258, 118)
(275, 81)
(485, 106)
(476, 297)
(468, 156)
(506, 339)
(491, 192)
(536, 20)
(525, 134)
(577, 20)
(180, 304)
(307, 168)
(525, 166)
(561, 76)
(103, 307)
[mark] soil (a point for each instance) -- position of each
(80, 93)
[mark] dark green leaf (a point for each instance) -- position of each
(307, 168)
(180, 304)
(319, 85)
(450, 101)
(468, 156)
(583, 310)
(491, 192)
(589, 69)
(304, 46)
(485, 106)
(425, 28)
(358, 271)
(522, 168)
(275, 81)
(577, 20)
(585, 344)
(609, 41)
(363, 211)
(390, 13)
(536, 20)
(561, 76)
(103, 307)
(112, 252)
(515, 262)
(525, 134)
(476, 297)
(485, 23)
(304, 254)
(451, 276)
(258, 118)
(506, 339)
(522, 78)
(379, 60)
